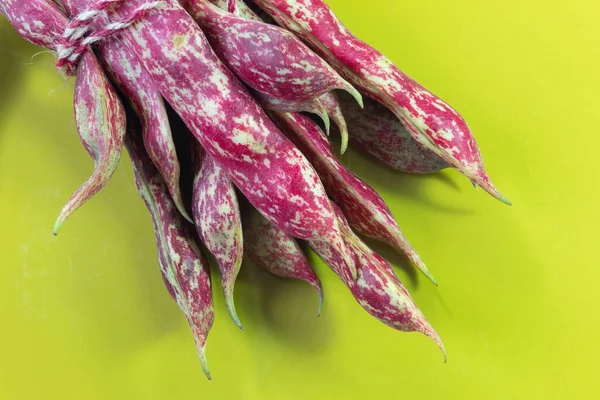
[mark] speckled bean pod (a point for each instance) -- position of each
(219, 224)
(137, 87)
(276, 252)
(377, 132)
(229, 124)
(430, 120)
(41, 22)
(324, 106)
(365, 209)
(267, 58)
(184, 270)
(99, 114)
(133, 81)
(100, 120)
(378, 290)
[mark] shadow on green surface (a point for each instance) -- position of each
(401, 184)
(286, 307)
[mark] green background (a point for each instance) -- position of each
(85, 315)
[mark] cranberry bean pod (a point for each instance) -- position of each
(377, 132)
(99, 114)
(133, 81)
(100, 120)
(365, 209)
(432, 122)
(267, 58)
(276, 252)
(378, 290)
(41, 22)
(274, 175)
(219, 224)
(183, 268)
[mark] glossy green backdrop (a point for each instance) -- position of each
(85, 315)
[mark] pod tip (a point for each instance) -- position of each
(432, 334)
(327, 122)
(186, 215)
(428, 274)
(233, 313)
(505, 200)
(344, 145)
(178, 200)
(201, 349)
(57, 225)
(432, 279)
(485, 184)
(497, 195)
(319, 288)
(357, 96)
(420, 265)
(405, 249)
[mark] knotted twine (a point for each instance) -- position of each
(76, 39)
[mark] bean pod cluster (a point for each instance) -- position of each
(257, 87)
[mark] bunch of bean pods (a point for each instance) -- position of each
(257, 87)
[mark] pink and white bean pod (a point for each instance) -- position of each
(363, 207)
(431, 121)
(267, 58)
(184, 269)
(219, 224)
(100, 120)
(277, 252)
(229, 124)
(378, 290)
(376, 131)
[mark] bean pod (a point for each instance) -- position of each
(100, 120)
(365, 209)
(219, 224)
(378, 290)
(377, 132)
(39, 21)
(430, 121)
(183, 268)
(268, 58)
(229, 124)
(136, 85)
(276, 252)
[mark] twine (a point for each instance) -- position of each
(76, 40)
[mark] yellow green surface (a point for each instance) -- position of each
(85, 315)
